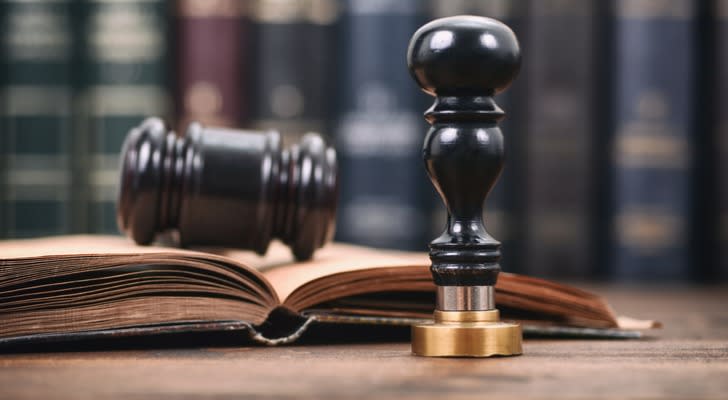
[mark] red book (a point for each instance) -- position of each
(210, 69)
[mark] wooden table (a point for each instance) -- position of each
(687, 359)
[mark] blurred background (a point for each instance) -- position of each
(617, 142)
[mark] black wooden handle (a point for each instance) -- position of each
(464, 61)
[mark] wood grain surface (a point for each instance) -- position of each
(686, 359)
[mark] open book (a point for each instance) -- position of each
(55, 288)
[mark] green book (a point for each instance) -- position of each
(124, 79)
(36, 47)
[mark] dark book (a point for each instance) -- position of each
(291, 57)
(385, 198)
(720, 131)
(123, 79)
(559, 72)
(504, 207)
(3, 84)
(653, 116)
(84, 287)
(211, 40)
(37, 135)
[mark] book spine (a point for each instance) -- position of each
(211, 40)
(37, 134)
(291, 63)
(720, 145)
(384, 193)
(124, 64)
(559, 138)
(652, 150)
(504, 207)
(3, 115)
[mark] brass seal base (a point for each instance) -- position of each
(467, 334)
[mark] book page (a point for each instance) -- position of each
(281, 271)
(286, 274)
(74, 244)
(89, 249)
(340, 271)
(86, 283)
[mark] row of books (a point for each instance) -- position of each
(76, 76)
(616, 129)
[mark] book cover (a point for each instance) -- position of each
(652, 154)
(385, 196)
(37, 135)
(124, 74)
(504, 207)
(559, 68)
(210, 62)
(291, 64)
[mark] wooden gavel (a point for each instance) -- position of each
(226, 187)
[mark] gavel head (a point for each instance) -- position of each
(224, 187)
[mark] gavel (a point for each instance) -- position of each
(227, 187)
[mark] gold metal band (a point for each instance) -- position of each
(467, 316)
